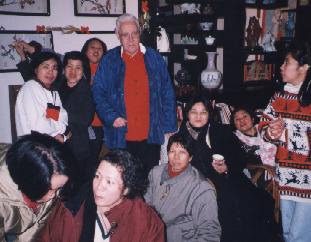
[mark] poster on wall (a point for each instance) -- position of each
(22, 7)
(9, 57)
(99, 8)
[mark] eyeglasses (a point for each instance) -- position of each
(133, 35)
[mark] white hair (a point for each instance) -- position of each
(126, 17)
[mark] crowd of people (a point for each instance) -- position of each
(57, 185)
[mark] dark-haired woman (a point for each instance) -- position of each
(257, 150)
(112, 211)
(75, 94)
(94, 49)
(38, 105)
(287, 123)
(183, 198)
(32, 171)
(245, 213)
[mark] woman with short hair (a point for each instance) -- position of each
(112, 210)
(184, 199)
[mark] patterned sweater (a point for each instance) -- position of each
(293, 156)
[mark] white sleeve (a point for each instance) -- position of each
(30, 111)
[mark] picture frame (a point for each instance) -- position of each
(25, 8)
(258, 70)
(9, 57)
(99, 8)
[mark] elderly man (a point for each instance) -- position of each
(134, 96)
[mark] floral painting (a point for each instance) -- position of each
(8, 55)
(99, 7)
(25, 7)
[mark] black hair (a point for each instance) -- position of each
(37, 46)
(300, 51)
(86, 45)
(245, 109)
(184, 140)
(77, 55)
(132, 171)
(199, 99)
(44, 56)
(32, 161)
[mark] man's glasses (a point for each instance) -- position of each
(133, 35)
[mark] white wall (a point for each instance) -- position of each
(62, 14)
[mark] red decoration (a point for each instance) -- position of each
(40, 28)
(85, 30)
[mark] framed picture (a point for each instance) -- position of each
(22, 7)
(257, 70)
(99, 8)
(9, 57)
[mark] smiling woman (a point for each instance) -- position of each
(38, 105)
(75, 94)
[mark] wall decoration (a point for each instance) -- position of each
(25, 7)
(99, 8)
(9, 57)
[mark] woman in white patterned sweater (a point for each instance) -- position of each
(287, 123)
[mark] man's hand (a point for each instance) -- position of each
(119, 122)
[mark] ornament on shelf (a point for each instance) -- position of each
(163, 43)
(211, 78)
(268, 42)
(253, 32)
(145, 17)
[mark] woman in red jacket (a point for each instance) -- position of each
(112, 211)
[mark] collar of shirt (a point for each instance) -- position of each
(141, 47)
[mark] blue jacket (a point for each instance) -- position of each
(108, 93)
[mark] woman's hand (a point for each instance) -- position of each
(276, 128)
(59, 138)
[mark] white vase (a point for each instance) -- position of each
(211, 77)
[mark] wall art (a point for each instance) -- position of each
(26, 8)
(9, 57)
(99, 8)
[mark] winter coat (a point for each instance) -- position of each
(74, 220)
(186, 203)
(16, 218)
(108, 92)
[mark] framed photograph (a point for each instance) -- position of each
(9, 57)
(22, 7)
(99, 8)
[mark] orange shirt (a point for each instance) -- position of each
(136, 95)
(96, 121)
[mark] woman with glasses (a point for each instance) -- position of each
(286, 122)
(112, 210)
(32, 171)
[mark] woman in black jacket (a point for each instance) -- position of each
(75, 94)
(245, 212)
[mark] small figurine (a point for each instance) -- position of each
(253, 32)
(268, 42)
(163, 43)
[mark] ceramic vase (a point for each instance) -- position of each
(211, 77)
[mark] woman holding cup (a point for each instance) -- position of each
(243, 209)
